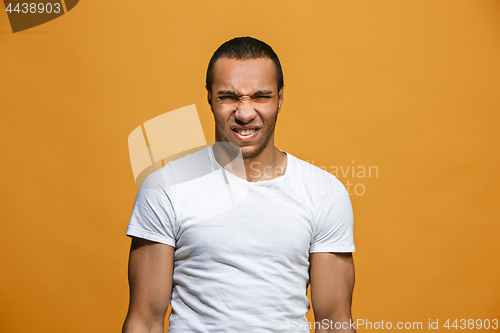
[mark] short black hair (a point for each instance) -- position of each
(243, 48)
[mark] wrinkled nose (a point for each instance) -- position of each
(245, 111)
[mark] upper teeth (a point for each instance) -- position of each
(245, 132)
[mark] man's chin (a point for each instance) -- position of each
(251, 152)
(233, 149)
(248, 150)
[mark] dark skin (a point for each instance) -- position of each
(150, 279)
(332, 284)
(245, 96)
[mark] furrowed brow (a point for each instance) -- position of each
(226, 92)
(263, 92)
(232, 93)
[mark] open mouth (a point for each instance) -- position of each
(245, 134)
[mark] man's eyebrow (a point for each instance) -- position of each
(263, 92)
(226, 92)
(232, 93)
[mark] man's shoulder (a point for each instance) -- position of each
(189, 167)
(317, 184)
(311, 172)
(188, 160)
(316, 181)
(182, 169)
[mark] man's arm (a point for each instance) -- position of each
(150, 271)
(332, 284)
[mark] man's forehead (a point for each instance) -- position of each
(258, 73)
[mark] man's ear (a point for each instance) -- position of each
(209, 97)
(280, 98)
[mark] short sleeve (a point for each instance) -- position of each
(334, 221)
(153, 216)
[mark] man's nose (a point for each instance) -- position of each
(245, 111)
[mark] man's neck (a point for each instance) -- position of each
(269, 164)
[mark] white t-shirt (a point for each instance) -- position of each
(241, 248)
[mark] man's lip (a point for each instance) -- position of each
(244, 128)
(245, 138)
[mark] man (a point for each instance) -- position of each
(232, 235)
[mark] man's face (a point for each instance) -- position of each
(248, 123)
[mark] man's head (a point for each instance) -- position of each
(245, 92)
(244, 48)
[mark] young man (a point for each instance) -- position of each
(232, 235)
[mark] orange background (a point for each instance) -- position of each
(411, 87)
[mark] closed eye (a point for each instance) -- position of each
(227, 98)
(261, 98)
